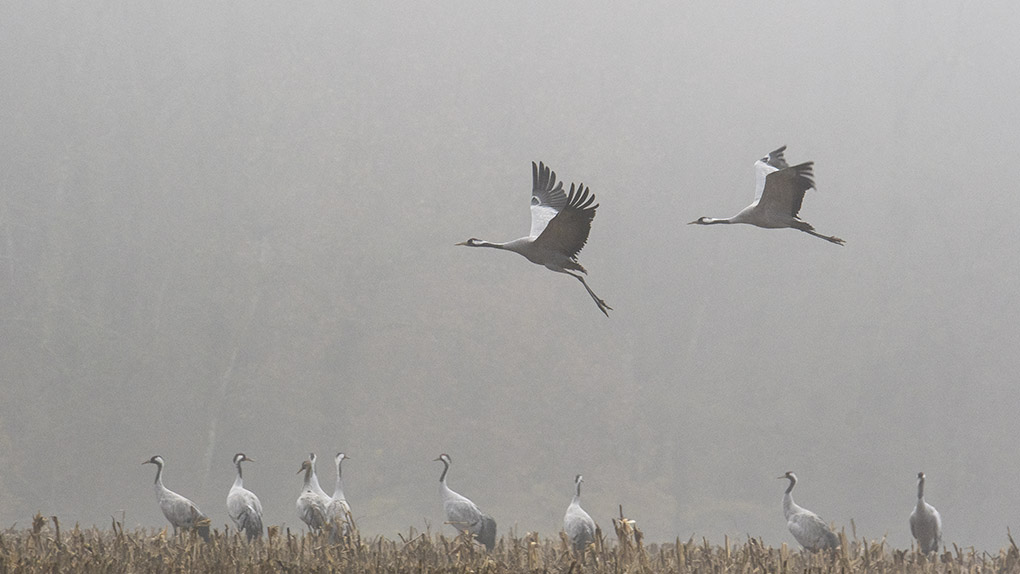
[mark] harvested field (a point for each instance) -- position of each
(46, 547)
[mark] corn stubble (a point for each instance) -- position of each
(45, 547)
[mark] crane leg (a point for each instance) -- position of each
(601, 304)
(829, 238)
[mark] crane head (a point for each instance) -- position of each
(240, 457)
(157, 460)
(920, 476)
(789, 476)
(699, 221)
(473, 242)
(305, 465)
(445, 458)
(340, 456)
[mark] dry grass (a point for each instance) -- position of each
(47, 548)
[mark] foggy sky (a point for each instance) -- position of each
(230, 228)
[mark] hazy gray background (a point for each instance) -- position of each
(231, 227)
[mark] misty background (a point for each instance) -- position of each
(230, 227)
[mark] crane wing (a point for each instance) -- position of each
(811, 531)
(568, 231)
(773, 162)
(784, 189)
(547, 197)
(463, 515)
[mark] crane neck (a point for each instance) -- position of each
(920, 490)
(491, 244)
(315, 479)
(159, 476)
(789, 506)
(308, 478)
(789, 489)
(442, 477)
(238, 482)
(338, 490)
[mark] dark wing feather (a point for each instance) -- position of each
(487, 534)
(251, 523)
(776, 158)
(784, 189)
(568, 231)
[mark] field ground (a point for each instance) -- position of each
(46, 547)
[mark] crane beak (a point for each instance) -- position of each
(692, 222)
(461, 243)
(779, 477)
(249, 459)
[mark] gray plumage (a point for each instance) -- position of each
(315, 478)
(560, 223)
(243, 506)
(463, 514)
(810, 531)
(925, 521)
(578, 525)
(311, 506)
(179, 511)
(779, 194)
(338, 512)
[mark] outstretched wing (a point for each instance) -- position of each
(775, 161)
(568, 231)
(784, 189)
(547, 197)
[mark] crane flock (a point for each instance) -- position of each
(560, 225)
(332, 514)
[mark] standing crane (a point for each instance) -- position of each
(338, 512)
(810, 531)
(779, 192)
(560, 224)
(181, 512)
(578, 525)
(243, 506)
(311, 506)
(463, 514)
(925, 521)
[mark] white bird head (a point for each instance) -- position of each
(473, 242)
(444, 458)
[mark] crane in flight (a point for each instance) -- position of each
(179, 511)
(925, 521)
(243, 506)
(560, 223)
(810, 531)
(778, 194)
(463, 514)
(578, 525)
